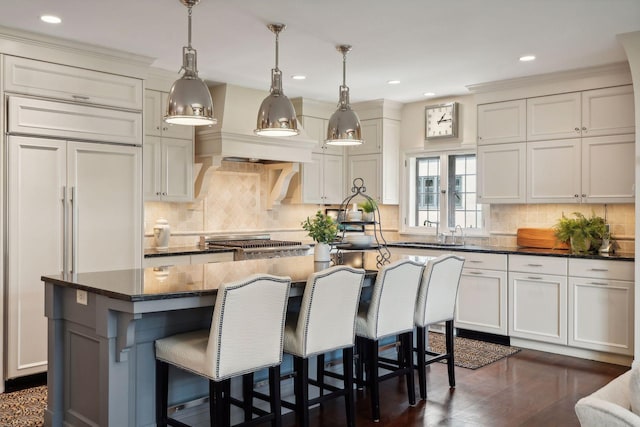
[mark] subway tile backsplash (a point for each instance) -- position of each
(235, 203)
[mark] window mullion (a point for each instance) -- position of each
(444, 192)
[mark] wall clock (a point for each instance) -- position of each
(441, 120)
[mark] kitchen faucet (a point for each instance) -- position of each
(437, 223)
(461, 233)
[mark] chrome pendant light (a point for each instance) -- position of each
(344, 124)
(189, 99)
(276, 116)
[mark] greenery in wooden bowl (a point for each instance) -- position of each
(321, 228)
(582, 233)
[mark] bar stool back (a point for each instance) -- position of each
(390, 312)
(437, 303)
(246, 335)
(326, 322)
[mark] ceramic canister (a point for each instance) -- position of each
(161, 232)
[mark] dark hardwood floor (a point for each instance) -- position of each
(530, 388)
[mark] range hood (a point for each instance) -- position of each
(233, 139)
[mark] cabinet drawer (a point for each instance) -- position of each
(162, 261)
(213, 257)
(73, 84)
(601, 269)
(538, 264)
(32, 116)
(484, 261)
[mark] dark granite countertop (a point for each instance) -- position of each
(618, 256)
(200, 279)
(183, 250)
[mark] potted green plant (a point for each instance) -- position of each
(323, 230)
(368, 207)
(583, 234)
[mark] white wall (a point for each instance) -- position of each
(631, 44)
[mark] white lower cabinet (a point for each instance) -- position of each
(482, 294)
(171, 260)
(538, 298)
(601, 305)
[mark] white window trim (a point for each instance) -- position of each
(406, 195)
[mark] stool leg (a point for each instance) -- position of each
(247, 396)
(226, 402)
(407, 339)
(360, 363)
(162, 391)
(422, 371)
(320, 373)
(301, 389)
(373, 378)
(450, 344)
(347, 363)
(274, 393)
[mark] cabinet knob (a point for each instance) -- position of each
(165, 128)
(577, 129)
(157, 193)
(164, 194)
(576, 195)
(157, 127)
(479, 137)
(584, 195)
(584, 128)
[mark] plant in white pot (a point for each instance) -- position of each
(323, 230)
(369, 206)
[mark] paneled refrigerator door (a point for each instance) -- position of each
(35, 245)
(106, 206)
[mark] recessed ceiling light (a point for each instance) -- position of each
(298, 77)
(50, 19)
(393, 82)
(429, 94)
(527, 58)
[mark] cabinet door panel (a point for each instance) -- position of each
(601, 315)
(372, 135)
(366, 167)
(36, 179)
(608, 169)
(312, 180)
(554, 171)
(333, 179)
(152, 168)
(152, 112)
(608, 111)
(538, 307)
(482, 301)
(502, 173)
(553, 117)
(502, 122)
(107, 210)
(177, 165)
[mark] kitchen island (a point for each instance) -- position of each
(102, 327)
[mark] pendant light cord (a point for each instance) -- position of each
(344, 68)
(277, 48)
(189, 26)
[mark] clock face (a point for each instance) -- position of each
(441, 121)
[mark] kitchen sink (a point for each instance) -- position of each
(427, 244)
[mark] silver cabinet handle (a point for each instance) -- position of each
(84, 98)
(599, 269)
(598, 283)
(474, 261)
(534, 277)
(475, 272)
(65, 249)
(534, 265)
(74, 231)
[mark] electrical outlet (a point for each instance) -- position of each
(81, 297)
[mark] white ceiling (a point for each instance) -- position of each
(436, 46)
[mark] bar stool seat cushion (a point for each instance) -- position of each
(188, 351)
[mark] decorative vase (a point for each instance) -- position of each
(161, 232)
(322, 252)
(367, 216)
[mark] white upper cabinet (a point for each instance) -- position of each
(608, 165)
(598, 112)
(502, 122)
(554, 171)
(323, 178)
(502, 173)
(168, 169)
(372, 135)
(154, 107)
(553, 117)
(38, 78)
(608, 111)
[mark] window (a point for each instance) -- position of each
(442, 193)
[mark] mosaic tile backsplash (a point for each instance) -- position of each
(236, 197)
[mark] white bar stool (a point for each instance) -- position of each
(246, 335)
(326, 322)
(436, 303)
(390, 312)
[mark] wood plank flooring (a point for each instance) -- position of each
(530, 388)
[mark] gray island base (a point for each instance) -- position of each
(102, 327)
